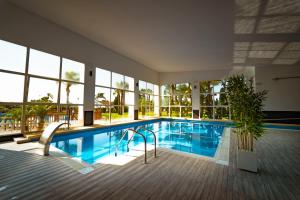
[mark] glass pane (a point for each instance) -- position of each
(42, 90)
(183, 88)
(101, 115)
(12, 56)
(43, 64)
(174, 100)
(206, 112)
(142, 86)
(172, 89)
(186, 112)
(217, 86)
(74, 112)
(205, 87)
(11, 87)
(142, 99)
(72, 70)
(165, 90)
(10, 119)
(220, 99)
(102, 96)
(150, 88)
(129, 98)
(165, 100)
(150, 111)
(39, 116)
(221, 113)
(117, 97)
(118, 81)
(121, 113)
(185, 100)
(206, 100)
(175, 112)
(71, 93)
(164, 111)
(156, 90)
(129, 83)
(142, 109)
(103, 77)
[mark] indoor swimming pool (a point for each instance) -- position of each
(187, 136)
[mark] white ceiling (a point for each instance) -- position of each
(165, 35)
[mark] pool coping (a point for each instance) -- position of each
(221, 155)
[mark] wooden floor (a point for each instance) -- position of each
(171, 176)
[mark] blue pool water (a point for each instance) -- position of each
(185, 136)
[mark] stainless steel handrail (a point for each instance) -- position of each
(130, 140)
(117, 145)
(141, 127)
(135, 132)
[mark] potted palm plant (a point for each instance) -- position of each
(246, 106)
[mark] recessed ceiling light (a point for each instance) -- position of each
(246, 7)
(255, 61)
(241, 45)
(280, 61)
(267, 45)
(240, 54)
(262, 54)
(244, 26)
(279, 24)
(239, 60)
(282, 7)
(289, 54)
(293, 46)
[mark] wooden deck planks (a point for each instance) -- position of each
(170, 176)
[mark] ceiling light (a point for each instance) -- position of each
(241, 45)
(289, 54)
(246, 7)
(283, 7)
(262, 54)
(244, 26)
(279, 24)
(293, 46)
(280, 61)
(267, 45)
(239, 60)
(240, 54)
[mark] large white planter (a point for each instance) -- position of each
(247, 160)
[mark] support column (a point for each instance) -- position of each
(25, 94)
(89, 95)
(196, 100)
(136, 99)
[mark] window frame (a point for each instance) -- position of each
(27, 76)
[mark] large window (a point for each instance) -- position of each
(49, 88)
(213, 100)
(114, 97)
(148, 100)
(176, 100)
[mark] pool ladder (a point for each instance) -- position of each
(130, 139)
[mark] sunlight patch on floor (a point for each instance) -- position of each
(123, 159)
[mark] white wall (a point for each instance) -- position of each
(283, 95)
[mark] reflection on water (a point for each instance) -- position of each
(196, 138)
